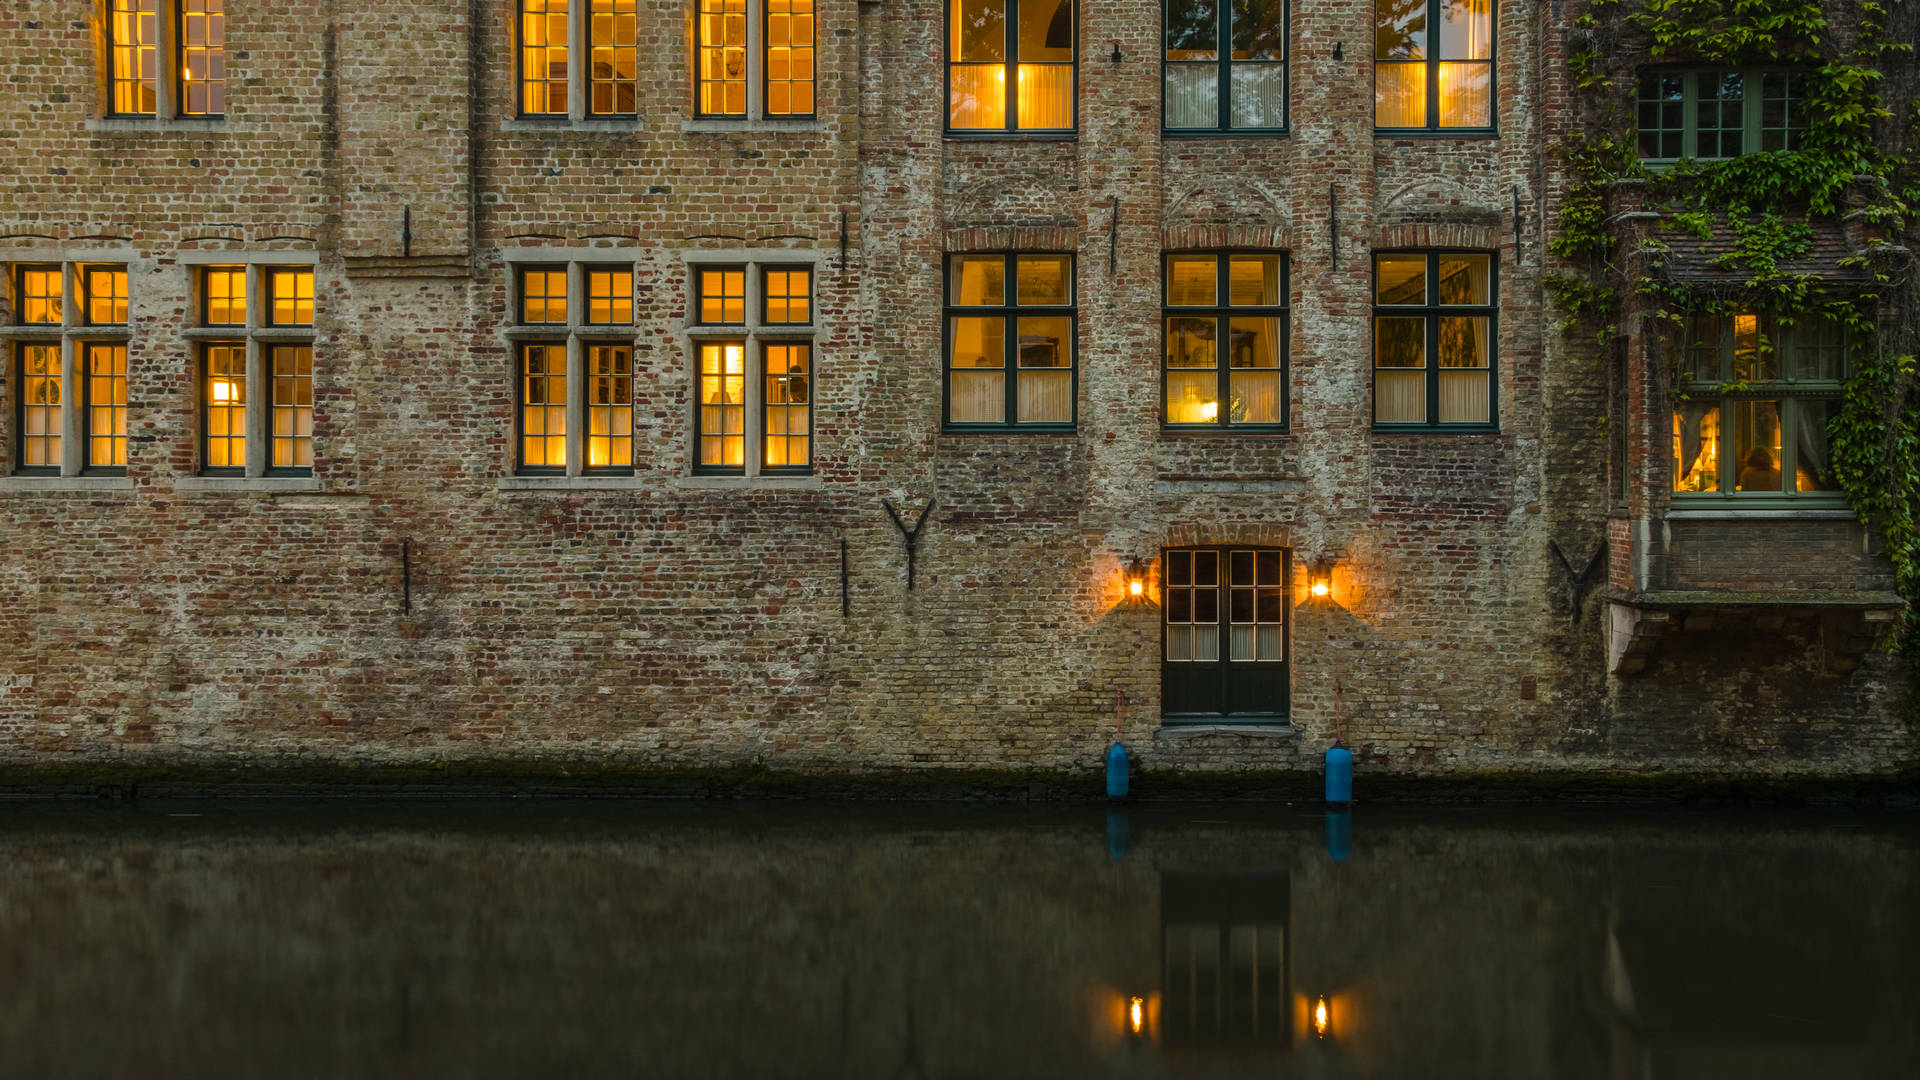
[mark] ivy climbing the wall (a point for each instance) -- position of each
(1854, 155)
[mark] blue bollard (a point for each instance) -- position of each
(1116, 772)
(1339, 775)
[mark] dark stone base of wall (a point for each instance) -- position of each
(519, 778)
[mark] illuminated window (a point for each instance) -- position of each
(192, 32)
(1010, 350)
(723, 57)
(752, 327)
(1433, 64)
(203, 57)
(1010, 65)
(789, 57)
(1751, 421)
(69, 361)
(609, 83)
(1719, 114)
(291, 293)
(1225, 613)
(723, 295)
(133, 44)
(255, 348)
(1225, 65)
(574, 369)
(789, 295)
(1433, 335)
(1226, 340)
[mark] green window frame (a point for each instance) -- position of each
(1224, 66)
(1436, 333)
(1714, 114)
(1750, 423)
(1224, 353)
(1010, 348)
(1428, 81)
(1012, 67)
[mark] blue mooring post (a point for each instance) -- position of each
(1116, 771)
(1339, 775)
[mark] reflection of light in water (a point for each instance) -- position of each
(1136, 1014)
(1322, 1018)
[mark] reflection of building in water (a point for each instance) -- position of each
(1225, 979)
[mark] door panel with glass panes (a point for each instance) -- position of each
(1225, 644)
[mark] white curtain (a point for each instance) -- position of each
(979, 397)
(1046, 96)
(1399, 397)
(1193, 95)
(1259, 95)
(1256, 397)
(1046, 397)
(1463, 397)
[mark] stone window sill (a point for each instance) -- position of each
(213, 484)
(623, 125)
(1178, 732)
(65, 484)
(158, 125)
(716, 126)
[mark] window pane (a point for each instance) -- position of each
(723, 296)
(1399, 95)
(543, 407)
(1466, 95)
(1464, 397)
(224, 289)
(133, 29)
(609, 379)
(1046, 397)
(978, 342)
(1193, 96)
(1193, 29)
(1259, 95)
(788, 404)
(1756, 445)
(106, 405)
(1400, 397)
(1193, 397)
(1046, 342)
(977, 96)
(979, 280)
(789, 57)
(543, 295)
(1719, 115)
(543, 56)
(42, 290)
(1042, 279)
(979, 30)
(1696, 447)
(979, 397)
(723, 404)
(1046, 96)
(723, 57)
(292, 293)
(1819, 351)
(203, 57)
(1661, 115)
(1268, 574)
(1400, 30)
(40, 413)
(1466, 30)
(1256, 397)
(1191, 280)
(789, 296)
(1190, 343)
(1259, 30)
(1253, 343)
(1814, 470)
(1400, 279)
(1180, 568)
(1253, 280)
(1465, 279)
(614, 33)
(292, 406)
(1046, 31)
(1399, 342)
(226, 406)
(106, 296)
(1753, 353)
(1206, 571)
(609, 296)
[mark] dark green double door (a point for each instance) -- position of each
(1224, 648)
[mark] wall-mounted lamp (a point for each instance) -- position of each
(1117, 54)
(1136, 1015)
(1336, 50)
(1322, 1017)
(1137, 580)
(1320, 579)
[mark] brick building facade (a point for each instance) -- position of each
(614, 351)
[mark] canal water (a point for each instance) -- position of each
(800, 940)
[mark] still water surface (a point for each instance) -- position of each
(576, 939)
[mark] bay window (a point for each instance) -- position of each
(1752, 419)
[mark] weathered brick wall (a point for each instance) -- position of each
(676, 621)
